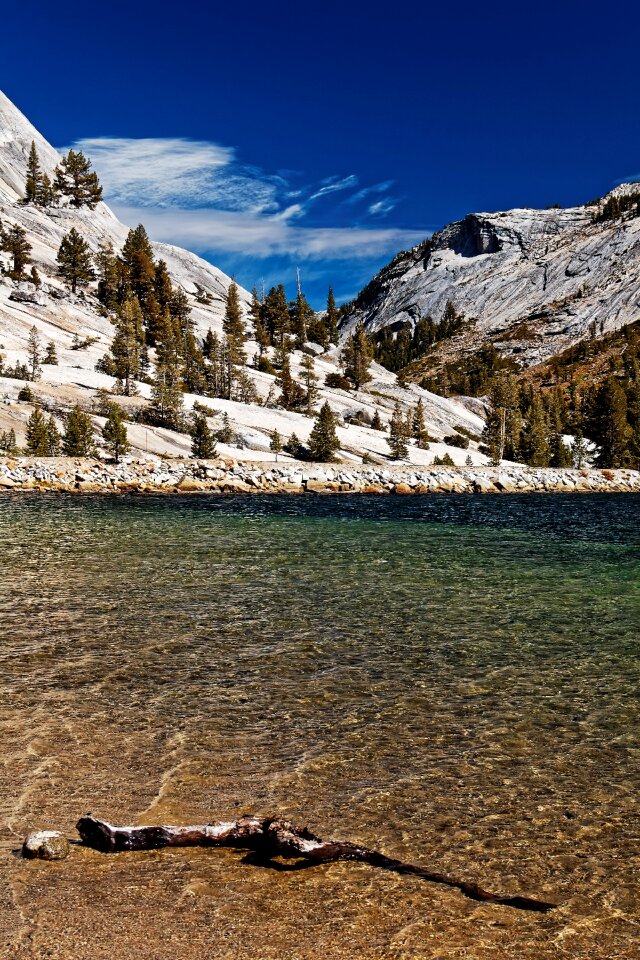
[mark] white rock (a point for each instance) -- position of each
(46, 845)
(28, 293)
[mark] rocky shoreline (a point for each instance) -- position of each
(228, 476)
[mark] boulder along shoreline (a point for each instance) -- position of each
(72, 475)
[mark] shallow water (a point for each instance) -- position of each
(451, 679)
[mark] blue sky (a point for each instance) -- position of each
(329, 135)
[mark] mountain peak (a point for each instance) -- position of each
(16, 137)
(531, 282)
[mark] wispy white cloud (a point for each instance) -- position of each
(167, 172)
(382, 207)
(367, 191)
(334, 185)
(197, 194)
(290, 213)
(208, 231)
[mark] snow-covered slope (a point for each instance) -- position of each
(539, 278)
(59, 316)
(47, 227)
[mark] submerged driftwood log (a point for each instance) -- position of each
(270, 838)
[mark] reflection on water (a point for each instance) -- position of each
(453, 679)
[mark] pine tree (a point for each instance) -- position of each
(331, 317)
(108, 276)
(293, 446)
(408, 423)
(292, 396)
(503, 427)
(162, 285)
(610, 429)
(78, 439)
(8, 443)
(34, 276)
(46, 196)
(140, 272)
(244, 390)
(25, 394)
(451, 321)
(302, 319)
(233, 327)
(418, 428)
(74, 260)
(318, 331)
(256, 313)
(14, 241)
(397, 438)
(137, 242)
(167, 406)
(127, 346)
(203, 445)
(37, 434)
(193, 369)
(356, 357)
(633, 410)
(560, 452)
(323, 440)
(180, 310)
(53, 438)
(310, 381)
(227, 369)
(537, 452)
(216, 371)
(376, 423)
(276, 443)
(225, 434)
(209, 345)
(51, 356)
(34, 176)
(557, 418)
(114, 433)
(35, 353)
(76, 180)
(579, 450)
(277, 321)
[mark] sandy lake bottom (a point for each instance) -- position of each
(453, 680)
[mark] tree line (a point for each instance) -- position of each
(529, 425)
(616, 207)
(396, 348)
(78, 438)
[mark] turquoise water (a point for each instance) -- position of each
(453, 679)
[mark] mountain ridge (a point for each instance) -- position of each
(556, 270)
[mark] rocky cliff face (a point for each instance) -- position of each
(531, 281)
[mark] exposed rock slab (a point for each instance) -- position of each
(550, 272)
